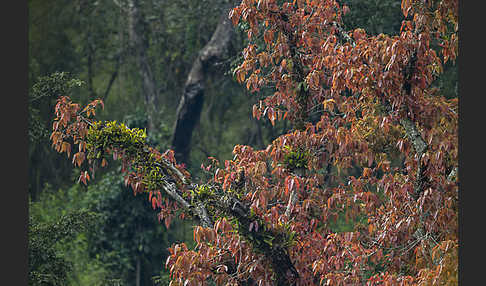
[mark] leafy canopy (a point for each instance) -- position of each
(373, 142)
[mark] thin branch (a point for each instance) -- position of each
(452, 175)
(110, 84)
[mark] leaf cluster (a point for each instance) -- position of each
(46, 265)
(296, 158)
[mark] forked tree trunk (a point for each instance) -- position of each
(192, 99)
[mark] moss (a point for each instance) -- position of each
(203, 192)
(103, 136)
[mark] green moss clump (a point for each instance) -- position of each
(103, 135)
(203, 192)
(132, 141)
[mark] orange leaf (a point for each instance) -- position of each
(406, 5)
(366, 172)
(66, 147)
(370, 228)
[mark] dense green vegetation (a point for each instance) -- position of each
(102, 234)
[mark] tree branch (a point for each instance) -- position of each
(452, 175)
(112, 80)
(221, 202)
(226, 203)
(420, 147)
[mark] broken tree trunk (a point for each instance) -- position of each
(192, 99)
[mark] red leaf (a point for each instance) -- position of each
(345, 9)
(226, 181)
(167, 221)
(271, 116)
(297, 184)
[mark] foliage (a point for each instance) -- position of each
(89, 39)
(74, 250)
(377, 118)
(129, 231)
(46, 265)
(124, 229)
(52, 86)
(42, 96)
(295, 159)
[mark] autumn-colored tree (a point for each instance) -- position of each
(373, 143)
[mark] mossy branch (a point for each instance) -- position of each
(157, 172)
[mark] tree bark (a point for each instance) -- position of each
(140, 44)
(192, 99)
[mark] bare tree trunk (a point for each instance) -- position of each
(192, 99)
(140, 44)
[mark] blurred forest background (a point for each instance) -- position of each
(142, 58)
